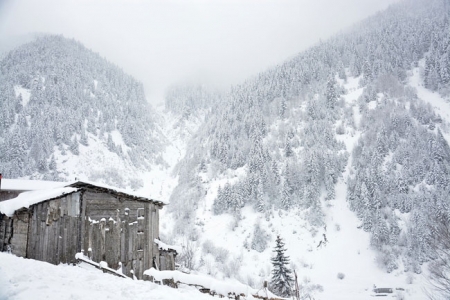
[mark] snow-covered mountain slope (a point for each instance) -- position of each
(160, 180)
(283, 142)
(240, 246)
(65, 111)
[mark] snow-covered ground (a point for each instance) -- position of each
(24, 279)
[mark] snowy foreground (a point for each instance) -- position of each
(30, 279)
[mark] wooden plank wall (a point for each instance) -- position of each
(4, 231)
(167, 260)
(14, 233)
(19, 235)
(53, 234)
(120, 232)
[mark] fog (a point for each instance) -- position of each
(217, 42)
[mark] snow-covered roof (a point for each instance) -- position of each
(26, 199)
(36, 191)
(29, 185)
(132, 194)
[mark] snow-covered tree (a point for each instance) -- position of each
(281, 282)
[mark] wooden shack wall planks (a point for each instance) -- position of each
(53, 234)
(5, 227)
(14, 233)
(167, 260)
(19, 233)
(120, 232)
(106, 226)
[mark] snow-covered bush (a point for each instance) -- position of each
(260, 238)
(208, 247)
(340, 275)
(220, 254)
(231, 269)
(338, 227)
(187, 257)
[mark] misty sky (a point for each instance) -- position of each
(217, 42)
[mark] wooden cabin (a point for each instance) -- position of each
(105, 224)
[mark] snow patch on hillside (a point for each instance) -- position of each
(95, 162)
(116, 137)
(177, 131)
(25, 93)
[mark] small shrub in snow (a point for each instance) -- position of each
(260, 238)
(410, 278)
(136, 183)
(399, 295)
(338, 227)
(193, 234)
(387, 259)
(209, 265)
(187, 257)
(233, 225)
(250, 281)
(221, 254)
(208, 247)
(340, 129)
(340, 276)
(231, 269)
(246, 244)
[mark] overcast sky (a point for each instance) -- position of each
(217, 42)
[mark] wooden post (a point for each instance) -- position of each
(297, 289)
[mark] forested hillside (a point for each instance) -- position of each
(57, 96)
(343, 113)
(276, 137)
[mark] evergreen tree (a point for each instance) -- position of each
(281, 274)
(331, 95)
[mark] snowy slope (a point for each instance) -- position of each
(159, 181)
(346, 251)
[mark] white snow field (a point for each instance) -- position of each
(25, 279)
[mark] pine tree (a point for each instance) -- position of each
(281, 274)
(331, 93)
